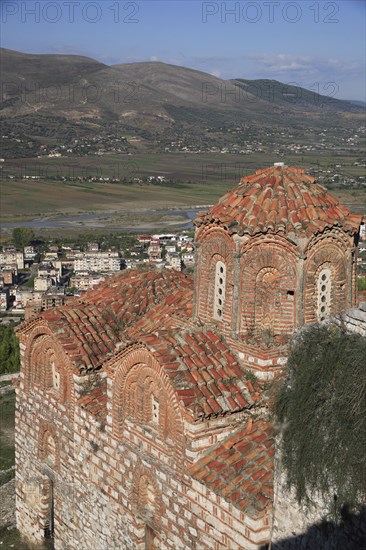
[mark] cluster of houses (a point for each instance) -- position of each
(28, 287)
(169, 250)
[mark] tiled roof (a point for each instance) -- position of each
(95, 402)
(88, 334)
(207, 378)
(279, 199)
(130, 294)
(155, 309)
(240, 468)
(90, 329)
(174, 313)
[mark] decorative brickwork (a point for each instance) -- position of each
(268, 287)
(143, 394)
(146, 497)
(215, 247)
(47, 368)
(48, 446)
(139, 422)
(330, 257)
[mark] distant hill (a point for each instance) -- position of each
(62, 96)
(358, 103)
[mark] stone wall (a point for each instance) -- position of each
(107, 490)
(353, 320)
(95, 502)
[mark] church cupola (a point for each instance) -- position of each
(274, 254)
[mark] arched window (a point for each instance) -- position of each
(324, 285)
(220, 284)
(147, 506)
(55, 380)
(155, 409)
(50, 451)
(48, 447)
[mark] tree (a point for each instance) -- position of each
(22, 236)
(321, 408)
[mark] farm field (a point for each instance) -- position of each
(195, 180)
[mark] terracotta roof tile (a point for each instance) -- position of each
(240, 468)
(279, 199)
(215, 386)
(95, 402)
(89, 329)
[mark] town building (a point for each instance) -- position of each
(85, 280)
(188, 259)
(29, 253)
(10, 255)
(41, 284)
(23, 295)
(4, 299)
(154, 251)
(9, 275)
(51, 270)
(142, 417)
(144, 239)
(173, 261)
(106, 262)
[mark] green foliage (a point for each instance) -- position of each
(7, 451)
(322, 409)
(30, 282)
(361, 283)
(22, 236)
(9, 350)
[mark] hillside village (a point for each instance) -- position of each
(32, 281)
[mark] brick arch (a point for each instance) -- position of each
(137, 376)
(326, 254)
(267, 289)
(48, 446)
(336, 236)
(145, 497)
(41, 353)
(216, 245)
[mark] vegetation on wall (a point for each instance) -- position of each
(321, 408)
(9, 350)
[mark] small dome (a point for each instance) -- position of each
(279, 199)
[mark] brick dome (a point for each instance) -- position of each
(279, 199)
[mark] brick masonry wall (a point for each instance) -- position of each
(106, 489)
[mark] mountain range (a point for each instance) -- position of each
(62, 96)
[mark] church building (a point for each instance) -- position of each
(142, 417)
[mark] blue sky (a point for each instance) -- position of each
(316, 44)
